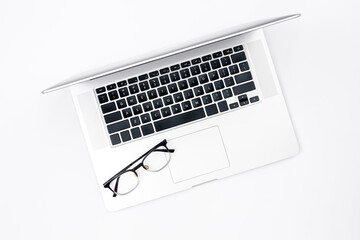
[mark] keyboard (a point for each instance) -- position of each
(165, 98)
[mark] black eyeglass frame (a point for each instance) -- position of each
(134, 169)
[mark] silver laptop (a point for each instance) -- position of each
(184, 118)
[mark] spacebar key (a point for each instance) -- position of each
(179, 119)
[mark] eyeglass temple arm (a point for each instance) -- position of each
(107, 183)
(164, 150)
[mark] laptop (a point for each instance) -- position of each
(217, 104)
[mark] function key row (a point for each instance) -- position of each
(173, 68)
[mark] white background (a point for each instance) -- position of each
(47, 183)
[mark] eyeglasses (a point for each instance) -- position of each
(127, 179)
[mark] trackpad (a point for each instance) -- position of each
(197, 154)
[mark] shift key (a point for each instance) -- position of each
(119, 126)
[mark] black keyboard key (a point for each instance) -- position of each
(211, 109)
(244, 66)
(176, 108)
(145, 118)
(173, 88)
(137, 109)
(185, 73)
(254, 99)
(183, 85)
(154, 82)
(103, 98)
(205, 67)
(193, 82)
(152, 94)
(134, 88)
(175, 67)
(186, 105)
(144, 86)
(217, 54)
(215, 64)
(101, 90)
(206, 99)
(112, 117)
(185, 64)
(219, 84)
(227, 93)
(164, 70)
(147, 106)
(168, 100)
(213, 75)
(229, 81)
(157, 103)
(234, 105)
(164, 79)
(121, 103)
(131, 100)
(127, 112)
(154, 74)
(217, 96)
(228, 51)
(135, 132)
(199, 91)
(223, 72)
(115, 139)
(196, 102)
(165, 112)
(178, 97)
(123, 92)
(243, 103)
(223, 106)
(147, 129)
(242, 98)
(155, 115)
(143, 77)
(209, 87)
(118, 126)
(142, 97)
(125, 136)
(162, 91)
(243, 88)
(122, 83)
(243, 77)
(206, 58)
(196, 61)
(131, 80)
(135, 121)
(203, 78)
(234, 69)
(113, 95)
(111, 87)
(180, 119)
(225, 61)
(188, 94)
(238, 48)
(109, 107)
(174, 76)
(238, 57)
(195, 70)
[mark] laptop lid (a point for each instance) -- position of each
(200, 42)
